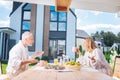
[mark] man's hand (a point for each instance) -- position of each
(24, 62)
(33, 61)
(38, 53)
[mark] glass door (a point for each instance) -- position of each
(56, 48)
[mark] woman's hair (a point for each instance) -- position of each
(26, 35)
(90, 44)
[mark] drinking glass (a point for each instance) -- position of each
(56, 61)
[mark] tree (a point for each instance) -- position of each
(97, 34)
(102, 33)
(118, 35)
(109, 37)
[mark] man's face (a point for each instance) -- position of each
(30, 40)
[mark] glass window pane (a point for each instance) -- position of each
(53, 26)
(61, 47)
(52, 8)
(27, 15)
(62, 16)
(53, 48)
(27, 7)
(62, 27)
(53, 16)
(26, 25)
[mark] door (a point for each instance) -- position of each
(56, 48)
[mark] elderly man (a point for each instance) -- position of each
(18, 56)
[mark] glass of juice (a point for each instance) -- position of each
(55, 61)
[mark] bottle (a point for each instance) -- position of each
(61, 61)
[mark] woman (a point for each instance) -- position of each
(93, 57)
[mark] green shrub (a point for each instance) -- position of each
(107, 56)
(38, 58)
(81, 49)
(46, 58)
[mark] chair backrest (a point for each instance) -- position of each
(0, 68)
(117, 67)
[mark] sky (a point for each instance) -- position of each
(5, 9)
(89, 21)
(92, 21)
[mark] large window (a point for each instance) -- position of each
(58, 23)
(57, 48)
(58, 20)
(26, 18)
(26, 21)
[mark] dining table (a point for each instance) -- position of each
(40, 73)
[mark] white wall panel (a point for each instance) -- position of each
(71, 27)
(39, 27)
(15, 23)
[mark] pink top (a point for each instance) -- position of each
(100, 61)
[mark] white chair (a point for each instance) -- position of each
(116, 73)
(0, 68)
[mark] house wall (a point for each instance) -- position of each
(39, 27)
(70, 40)
(15, 23)
(0, 45)
(46, 30)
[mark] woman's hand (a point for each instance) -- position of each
(76, 50)
(92, 59)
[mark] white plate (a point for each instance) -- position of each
(64, 70)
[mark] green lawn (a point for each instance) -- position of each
(4, 65)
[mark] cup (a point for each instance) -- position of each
(42, 63)
(74, 49)
(56, 61)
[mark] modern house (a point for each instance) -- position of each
(5, 42)
(115, 46)
(54, 32)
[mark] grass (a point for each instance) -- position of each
(4, 65)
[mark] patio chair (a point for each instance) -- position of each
(116, 73)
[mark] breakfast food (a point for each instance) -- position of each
(56, 67)
(72, 65)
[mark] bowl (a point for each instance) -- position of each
(72, 67)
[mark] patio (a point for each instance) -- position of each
(112, 5)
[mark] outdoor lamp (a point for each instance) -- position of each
(62, 5)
